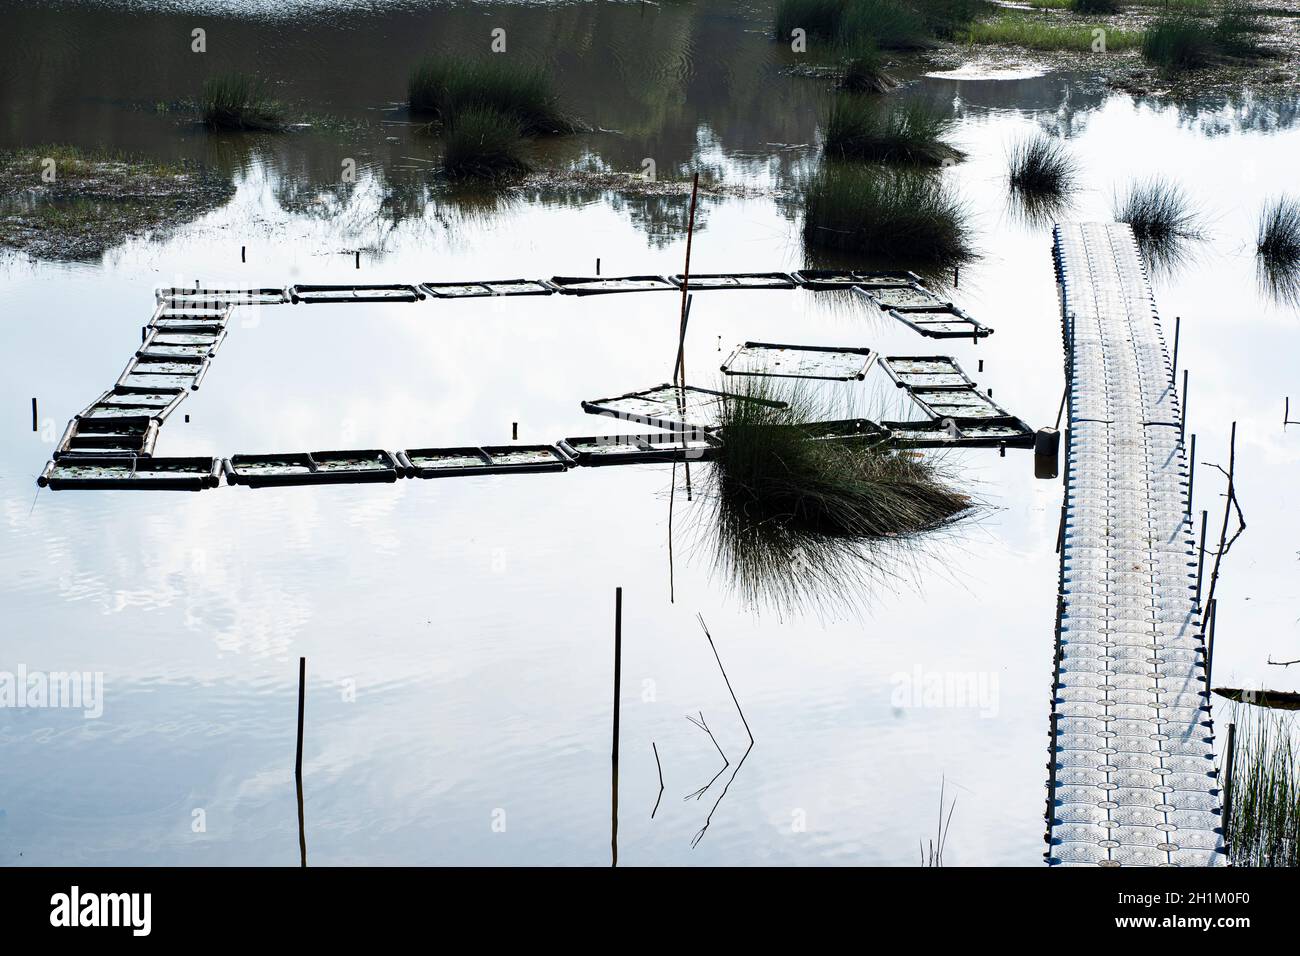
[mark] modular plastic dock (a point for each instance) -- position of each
(1132, 779)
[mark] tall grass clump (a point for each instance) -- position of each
(1235, 30)
(237, 101)
(1264, 813)
(892, 214)
(1278, 239)
(892, 24)
(863, 70)
(483, 144)
(858, 128)
(818, 18)
(1032, 32)
(1178, 42)
(1164, 220)
(1041, 165)
(443, 87)
(799, 518)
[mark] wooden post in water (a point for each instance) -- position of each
(1200, 561)
(1178, 327)
(686, 281)
(302, 699)
(618, 680)
(1191, 477)
(34, 415)
(1229, 758)
(1182, 426)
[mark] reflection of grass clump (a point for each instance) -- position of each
(444, 87)
(1277, 249)
(796, 514)
(1264, 819)
(857, 128)
(483, 144)
(237, 101)
(894, 214)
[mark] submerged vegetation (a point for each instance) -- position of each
(1164, 220)
(1264, 795)
(237, 101)
(797, 516)
(897, 214)
(444, 87)
(61, 202)
(858, 128)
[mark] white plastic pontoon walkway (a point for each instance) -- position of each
(1132, 780)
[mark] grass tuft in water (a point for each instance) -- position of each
(1041, 165)
(1277, 250)
(1264, 818)
(1178, 42)
(897, 215)
(1094, 6)
(483, 144)
(864, 71)
(237, 101)
(444, 87)
(858, 128)
(1164, 220)
(800, 519)
(1030, 30)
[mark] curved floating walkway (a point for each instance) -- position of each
(1132, 777)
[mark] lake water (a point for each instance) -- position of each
(459, 633)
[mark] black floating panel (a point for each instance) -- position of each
(365, 466)
(487, 287)
(596, 450)
(488, 460)
(596, 285)
(950, 433)
(173, 474)
(735, 280)
(355, 293)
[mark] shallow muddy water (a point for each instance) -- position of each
(459, 632)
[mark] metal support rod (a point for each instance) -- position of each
(1229, 758)
(1191, 476)
(1178, 327)
(35, 416)
(618, 679)
(1211, 614)
(678, 372)
(1182, 427)
(1200, 562)
(302, 698)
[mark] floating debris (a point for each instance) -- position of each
(355, 293)
(469, 290)
(311, 468)
(774, 360)
(594, 285)
(599, 450)
(173, 474)
(487, 460)
(735, 280)
(675, 407)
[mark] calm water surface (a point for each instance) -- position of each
(459, 633)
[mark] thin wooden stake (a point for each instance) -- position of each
(243, 253)
(1178, 327)
(1229, 760)
(1182, 426)
(1200, 563)
(1191, 477)
(34, 416)
(302, 700)
(618, 680)
(686, 281)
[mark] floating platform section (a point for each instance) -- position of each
(488, 287)
(310, 294)
(312, 468)
(1131, 773)
(140, 404)
(775, 360)
(155, 375)
(675, 407)
(820, 279)
(159, 474)
(192, 321)
(108, 439)
(735, 280)
(487, 460)
(925, 371)
(595, 285)
(169, 345)
(950, 433)
(597, 450)
(220, 298)
(858, 431)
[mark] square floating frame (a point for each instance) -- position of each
(776, 360)
(488, 460)
(921, 371)
(957, 433)
(821, 279)
(962, 403)
(596, 285)
(905, 298)
(119, 439)
(599, 450)
(174, 474)
(734, 280)
(366, 466)
(147, 374)
(487, 287)
(219, 298)
(675, 407)
(859, 431)
(312, 294)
